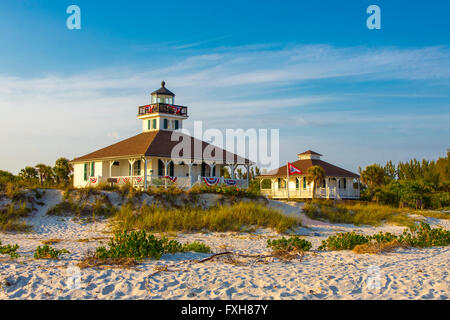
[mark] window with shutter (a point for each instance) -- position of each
(304, 182)
(154, 123)
(176, 124)
(148, 124)
(92, 169)
(297, 183)
(86, 171)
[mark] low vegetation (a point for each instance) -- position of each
(416, 236)
(11, 216)
(375, 247)
(242, 216)
(47, 252)
(292, 244)
(357, 213)
(343, 241)
(10, 250)
(140, 245)
(100, 208)
(229, 191)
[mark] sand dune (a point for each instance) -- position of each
(403, 274)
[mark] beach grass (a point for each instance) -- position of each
(375, 247)
(10, 218)
(242, 216)
(358, 213)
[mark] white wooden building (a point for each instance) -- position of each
(338, 183)
(146, 159)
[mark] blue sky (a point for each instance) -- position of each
(310, 68)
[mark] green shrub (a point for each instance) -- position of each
(47, 252)
(440, 200)
(9, 250)
(425, 236)
(140, 245)
(416, 236)
(291, 244)
(343, 241)
(196, 247)
(383, 237)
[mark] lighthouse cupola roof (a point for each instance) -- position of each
(163, 90)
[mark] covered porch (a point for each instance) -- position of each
(143, 172)
(298, 188)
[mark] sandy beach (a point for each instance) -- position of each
(403, 274)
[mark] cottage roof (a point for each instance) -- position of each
(157, 144)
(309, 152)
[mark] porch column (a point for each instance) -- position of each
(111, 162)
(189, 164)
(145, 173)
(247, 167)
(211, 168)
(338, 189)
(359, 193)
(166, 165)
(347, 184)
(132, 161)
(233, 167)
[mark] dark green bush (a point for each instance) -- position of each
(9, 250)
(140, 245)
(294, 243)
(343, 241)
(47, 252)
(416, 236)
(425, 236)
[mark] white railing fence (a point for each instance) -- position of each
(330, 193)
(159, 181)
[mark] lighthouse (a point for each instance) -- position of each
(162, 113)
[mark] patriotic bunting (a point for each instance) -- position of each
(176, 109)
(230, 182)
(148, 109)
(211, 181)
(126, 179)
(93, 180)
(173, 179)
(138, 179)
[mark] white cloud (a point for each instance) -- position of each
(243, 86)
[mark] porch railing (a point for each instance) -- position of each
(184, 182)
(162, 108)
(329, 193)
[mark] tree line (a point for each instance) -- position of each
(419, 184)
(40, 175)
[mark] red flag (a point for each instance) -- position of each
(293, 169)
